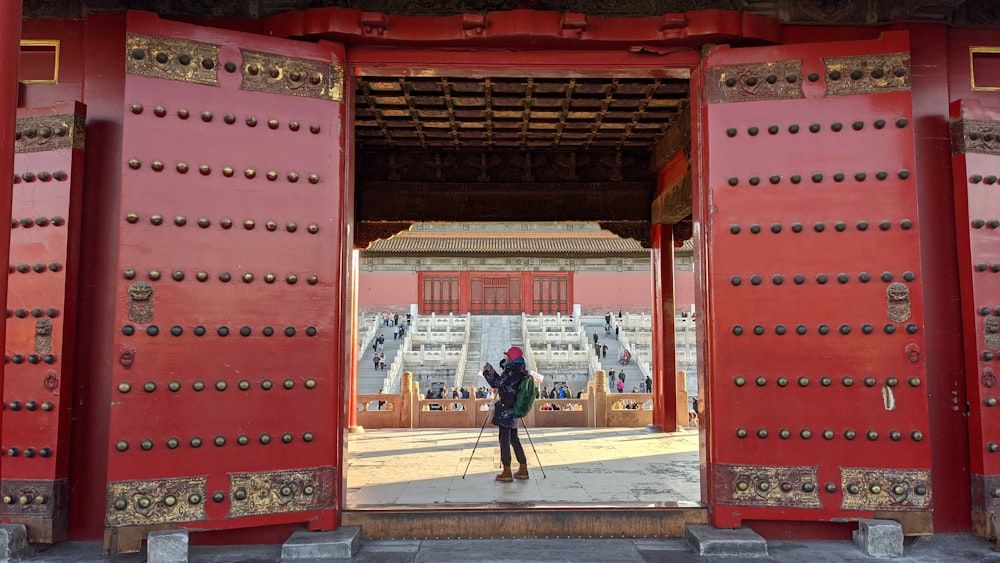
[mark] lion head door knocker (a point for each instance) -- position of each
(898, 302)
(989, 378)
(126, 356)
(140, 302)
(991, 332)
(43, 336)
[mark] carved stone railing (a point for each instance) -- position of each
(595, 408)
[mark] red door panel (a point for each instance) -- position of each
(41, 318)
(224, 409)
(810, 262)
(439, 293)
(550, 293)
(976, 162)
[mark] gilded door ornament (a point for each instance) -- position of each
(991, 332)
(271, 492)
(781, 80)
(989, 378)
(898, 302)
(759, 485)
(49, 133)
(971, 136)
(986, 493)
(880, 488)
(158, 501)
(172, 59)
(277, 74)
(867, 74)
(140, 302)
(51, 381)
(24, 498)
(43, 336)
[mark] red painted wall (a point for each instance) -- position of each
(389, 291)
(598, 291)
(683, 291)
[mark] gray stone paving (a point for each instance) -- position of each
(931, 549)
(425, 466)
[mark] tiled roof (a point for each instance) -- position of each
(506, 244)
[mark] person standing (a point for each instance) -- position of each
(507, 385)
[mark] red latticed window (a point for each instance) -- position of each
(439, 293)
(550, 293)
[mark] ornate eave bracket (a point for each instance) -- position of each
(638, 230)
(367, 232)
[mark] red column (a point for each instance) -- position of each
(664, 360)
(10, 53)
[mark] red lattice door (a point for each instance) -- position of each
(975, 132)
(816, 406)
(41, 318)
(226, 403)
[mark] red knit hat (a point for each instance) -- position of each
(514, 353)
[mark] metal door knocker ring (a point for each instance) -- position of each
(126, 357)
(51, 381)
(989, 378)
(913, 353)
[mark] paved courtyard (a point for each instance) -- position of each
(581, 465)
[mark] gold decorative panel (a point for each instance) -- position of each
(277, 74)
(984, 52)
(972, 136)
(28, 498)
(39, 61)
(774, 486)
(781, 80)
(172, 59)
(156, 501)
(879, 488)
(49, 133)
(272, 492)
(869, 74)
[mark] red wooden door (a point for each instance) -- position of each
(816, 405)
(439, 293)
(226, 402)
(41, 319)
(975, 164)
(550, 293)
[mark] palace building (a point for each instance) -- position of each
(489, 268)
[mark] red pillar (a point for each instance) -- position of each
(664, 359)
(10, 54)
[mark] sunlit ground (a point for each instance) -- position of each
(590, 465)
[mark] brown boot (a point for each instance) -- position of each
(522, 471)
(505, 474)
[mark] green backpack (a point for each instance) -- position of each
(526, 392)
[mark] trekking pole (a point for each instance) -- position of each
(525, 426)
(481, 430)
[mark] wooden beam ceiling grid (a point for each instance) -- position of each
(457, 113)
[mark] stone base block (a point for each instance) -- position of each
(342, 543)
(167, 546)
(879, 538)
(709, 541)
(14, 542)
